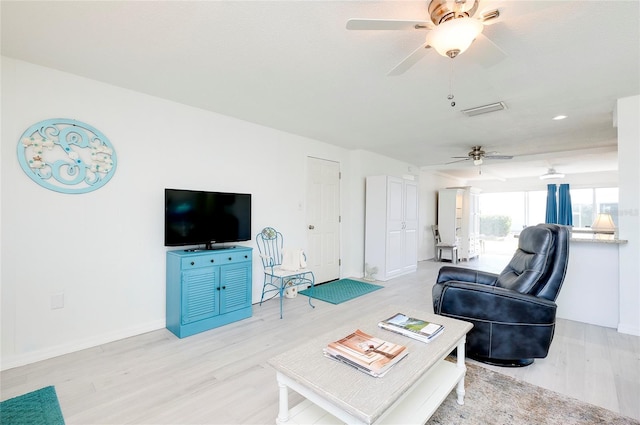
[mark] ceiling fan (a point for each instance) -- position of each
(477, 155)
(453, 26)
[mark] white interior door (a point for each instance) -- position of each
(323, 219)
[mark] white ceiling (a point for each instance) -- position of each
(292, 65)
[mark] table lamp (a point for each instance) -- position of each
(603, 224)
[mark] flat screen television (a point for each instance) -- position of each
(194, 217)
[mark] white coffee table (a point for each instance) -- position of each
(336, 393)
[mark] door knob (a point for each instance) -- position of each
(311, 227)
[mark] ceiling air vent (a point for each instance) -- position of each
(485, 109)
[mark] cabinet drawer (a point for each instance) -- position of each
(234, 257)
(201, 261)
(215, 259)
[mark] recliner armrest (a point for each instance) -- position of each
(491, 303)
(448, 273)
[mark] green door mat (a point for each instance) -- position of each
(340, 291)
(39, 407)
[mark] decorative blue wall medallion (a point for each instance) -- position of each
(66, 156)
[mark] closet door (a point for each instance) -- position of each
(391, 227)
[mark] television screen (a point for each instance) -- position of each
(198, 217)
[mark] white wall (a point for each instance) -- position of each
(629, 213)
(104, 249)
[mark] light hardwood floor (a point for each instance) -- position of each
(222, 376)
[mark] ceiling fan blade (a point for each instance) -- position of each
(460, 160)
(410, 60)
(489, 16)
(498, 156)
(485, 52)
(386, 24)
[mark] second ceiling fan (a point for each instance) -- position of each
(453, 26)
(477, 155)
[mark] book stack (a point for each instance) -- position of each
(413, 328)
(366, 353)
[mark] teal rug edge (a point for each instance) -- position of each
(37, 407)
(340, 291)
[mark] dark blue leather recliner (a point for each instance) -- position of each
(513, 313)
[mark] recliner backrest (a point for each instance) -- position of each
(539, 264)
(557, 269)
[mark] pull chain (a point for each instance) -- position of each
(450, 97)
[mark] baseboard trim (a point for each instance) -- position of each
(630, 330)
(22, 359)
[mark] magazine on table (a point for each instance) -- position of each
(413, 328)
(366, 353)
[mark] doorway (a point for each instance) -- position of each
(323, 218)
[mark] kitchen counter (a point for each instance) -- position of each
(590, 292)
(586, 234)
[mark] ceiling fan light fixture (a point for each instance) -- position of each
(552, 174)
(454, 36)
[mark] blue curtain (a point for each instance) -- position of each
(552, 209)
(565, 215)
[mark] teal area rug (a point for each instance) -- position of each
(39, 407)
(340, 291)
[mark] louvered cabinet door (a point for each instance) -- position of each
(200, 294)
(235, 284)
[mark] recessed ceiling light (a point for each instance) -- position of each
(559, 117)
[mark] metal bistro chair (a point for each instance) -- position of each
(278, 277)
(440, 246)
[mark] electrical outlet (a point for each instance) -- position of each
(57, 301)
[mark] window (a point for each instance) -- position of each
(507, 204)
(582, 207)
(606, 201)
(502, 216)
(536, 207)
(587, 203)
(516, 210)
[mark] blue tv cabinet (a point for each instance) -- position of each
(207, 288)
